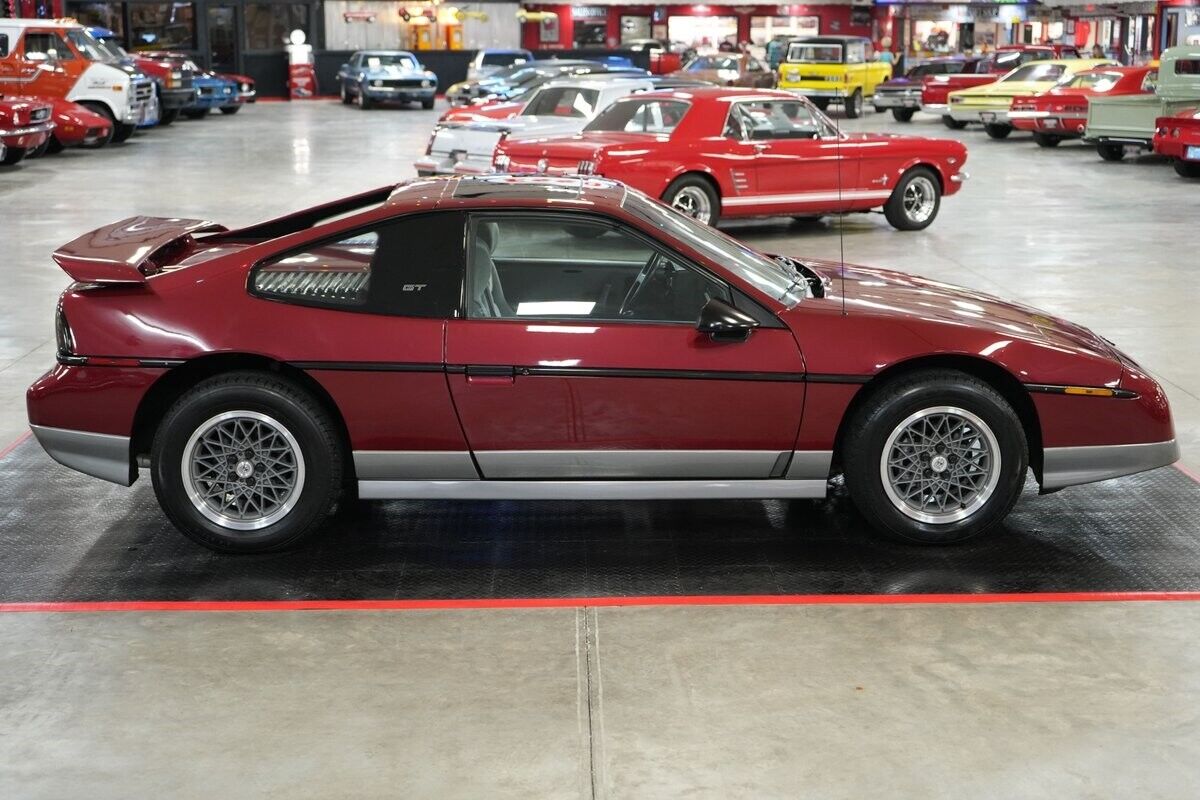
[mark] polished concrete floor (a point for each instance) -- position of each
(1024, 700)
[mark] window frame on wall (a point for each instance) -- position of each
(309, 26)
(131, 38)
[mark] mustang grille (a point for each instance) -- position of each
(349, 288)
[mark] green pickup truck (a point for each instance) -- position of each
(1115, 123)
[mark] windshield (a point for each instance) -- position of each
(1036, 71)
(503, 59)
(376, 60)
(714, 62)
(815, 53)
(640, 116)
(563, 101)
(751, 266)
(85, 44)
(1096, 81)
(939, 68)
(111, 49)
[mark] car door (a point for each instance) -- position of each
(579, 358)
(800, 164)
(46, 64)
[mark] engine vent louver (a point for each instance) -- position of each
(347, 288)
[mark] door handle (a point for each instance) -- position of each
(760, 146)
(490, 375)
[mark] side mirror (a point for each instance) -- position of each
(724, 323)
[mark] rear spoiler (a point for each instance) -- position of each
(129, 250)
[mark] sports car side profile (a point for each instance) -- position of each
(561, 338)
(1061, 112)
(716, 152)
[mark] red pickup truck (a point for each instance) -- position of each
(988, 69)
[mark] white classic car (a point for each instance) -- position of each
(559, 107)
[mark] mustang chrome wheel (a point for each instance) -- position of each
(692, 201)
(243, 470)
(920, 199)
(940, 465)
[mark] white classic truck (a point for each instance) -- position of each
(559, 107)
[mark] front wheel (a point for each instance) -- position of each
(854, 105)
(1046, 139)
(168, 116)
(915, 201)
(230, 109)
(246, 462)
(903, 114)
(13, 155)
(1187, 169)
(695, 197)
(364, 102)
(427, 103)
(953, 124)
(40, 150)
(997, 131)
(935, 458)
(1111, 152)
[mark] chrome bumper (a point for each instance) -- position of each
(935, 108)
(896, 101)
(996, 116)
(451, 166)
(1071, 466)
(834, 94)
(41, 127)
(960, 177)
(1028, 114)
(97, 454)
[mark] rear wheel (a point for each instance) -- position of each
(903, 114)
(1046, 139)
(935, 457)
(230, 109)
(695, 197)
(915, 201)
(1111, 152)
(953, 124)
(996, 131)
(1187, 169)
(854, 105)
(246, 462)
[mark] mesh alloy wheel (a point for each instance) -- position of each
(940, 465)
(243, 470)
(693, 202)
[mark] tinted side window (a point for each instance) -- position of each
(47, 43)
(381, 270)
(550, 267)
(3, 45)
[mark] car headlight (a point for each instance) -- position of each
(246, 87)
(377, 83)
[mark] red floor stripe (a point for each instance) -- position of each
(1186, 470)
(576, 602)
(8, 448)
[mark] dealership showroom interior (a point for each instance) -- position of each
(595, 400)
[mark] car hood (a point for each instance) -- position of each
(394, 71)
(888, 293)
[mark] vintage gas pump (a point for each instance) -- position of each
(302, 75)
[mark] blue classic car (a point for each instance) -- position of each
(212, 92)
(376, 76)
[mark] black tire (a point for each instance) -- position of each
(1111, 152)
(903, 218)
(854, 105)
(427, 103)
(687, 184)
(996, 131)
(953, 124)
(903, 114)
(1046, 139)
(820, 102)
(122, 131)
(195, 113)
(13, 155)
(40, 150)
(168, 116)
(228, 110)
(346, 99)
(55, 145)
(1187, 169)
(364, 102)
(287, 408)
(884, 414)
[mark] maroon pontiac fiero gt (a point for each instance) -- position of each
(560, 338)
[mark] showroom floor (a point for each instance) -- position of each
(934, 700)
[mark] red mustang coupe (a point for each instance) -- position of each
(1178, 138)
(718, 152)
(558, 338)
(1061, 113)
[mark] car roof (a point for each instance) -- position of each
(384, 53)
(488, 190)
(504, 50)
(831, 39)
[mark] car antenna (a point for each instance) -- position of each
(841, 216)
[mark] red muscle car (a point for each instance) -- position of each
(25, 127)
(563, 338)
(1061, 113)
(982, 71)
(1178, 138)
(77, 126)
(718, 152)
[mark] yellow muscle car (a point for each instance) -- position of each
(833, 69)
